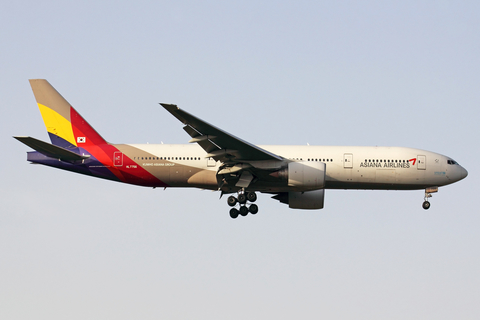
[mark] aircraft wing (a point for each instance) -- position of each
(218, 144)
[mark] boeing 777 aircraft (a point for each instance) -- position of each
(217, 160)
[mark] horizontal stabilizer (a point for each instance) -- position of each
(51, 150)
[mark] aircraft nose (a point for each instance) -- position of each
(463, 173)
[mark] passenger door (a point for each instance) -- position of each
(421, 163)
(117, 159)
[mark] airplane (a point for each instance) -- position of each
(217, 160)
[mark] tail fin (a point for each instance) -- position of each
(65, 126)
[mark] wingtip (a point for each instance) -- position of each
(36, 80)
(169, 106)
(20, 137)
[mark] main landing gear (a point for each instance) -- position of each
(243, 198)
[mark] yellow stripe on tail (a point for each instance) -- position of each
(56, 124)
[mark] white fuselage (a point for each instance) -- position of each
(347, 167)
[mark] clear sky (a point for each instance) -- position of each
(403, 73)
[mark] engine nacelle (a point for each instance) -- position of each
(306, 200)
(302, 200)
(305, 175)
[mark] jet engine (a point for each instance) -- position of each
(302, 200)
(303, 175)
(307, 182)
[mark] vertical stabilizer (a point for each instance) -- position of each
(65, 126)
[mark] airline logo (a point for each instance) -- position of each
(81, 139)
(390, 164)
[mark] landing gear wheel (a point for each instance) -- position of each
(234, 213)
(253, 209)
(232, 201)
(251, 196)
(243, 211)
(242, 198)
(426, 205)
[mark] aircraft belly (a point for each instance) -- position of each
(373, 185)
(388, 176)
(188, 176)
(205, 179)
(365, 175)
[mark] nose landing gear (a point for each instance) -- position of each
(428, 192)
(242, 199)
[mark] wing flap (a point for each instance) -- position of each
(244, 180)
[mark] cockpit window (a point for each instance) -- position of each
(451, 162)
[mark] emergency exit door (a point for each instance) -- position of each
(348, 160)
(211, 162)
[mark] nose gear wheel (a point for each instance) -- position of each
(426, 203)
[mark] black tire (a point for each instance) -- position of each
(234, 213)
(243, 211)
(251, 196)
(426, 205)
(242, 198)
(232, 201)
(253, 209)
